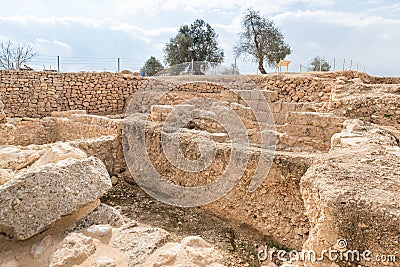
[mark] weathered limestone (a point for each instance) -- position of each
(192, 251)
(353, 194)
(35, 199)
(74, 249)
(5, 175)
(2, 114)
(6, 130)
(56, 153)
(103, 214)
(105, 261)
(99, 230)
(138, 242)
(17, 158)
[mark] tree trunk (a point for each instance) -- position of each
(261, 67)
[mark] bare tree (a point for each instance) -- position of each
(13, 56)
(262, 40)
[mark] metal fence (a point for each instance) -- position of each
(76, 64)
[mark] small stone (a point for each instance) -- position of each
(100, 230)
(105, 261)
(75, 247)
(38, 248)
(195, 241)
(114, 180)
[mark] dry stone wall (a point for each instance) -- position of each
(37, 94)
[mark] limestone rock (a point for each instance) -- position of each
(7, 133)
(5, 175)
(2, 114)
(105, 261)
(16, 158)
(103, 214)
(100, 230)
(192, 251)
(138, 242)
(58, 152)
(34, 200)
(38, 248)
(74, 249)
(353, 194)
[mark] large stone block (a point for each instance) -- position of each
(34, 200)
(352, 197)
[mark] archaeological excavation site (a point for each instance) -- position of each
(285, 169)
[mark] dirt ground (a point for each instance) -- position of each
(238, 243)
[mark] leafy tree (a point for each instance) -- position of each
(152, 66)
(319, 64)
(262, 40)
(196, 42)
(13, 56)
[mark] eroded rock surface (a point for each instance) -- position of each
(34, 200)
(138, 242)
(74, 250)
(354, 194)
(192, 251)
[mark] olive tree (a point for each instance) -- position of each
(194, 42)
(262, 40)
(319, 64)
(152, 66)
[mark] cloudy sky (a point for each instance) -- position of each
(91, 35)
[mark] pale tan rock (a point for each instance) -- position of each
(138, 242)
(192, 251)
(16, 158)
(40, 197)
(100, 230)
(2, 114)
(74, 249)
(353, 193)
(105, 261)
(5, 175)
(38, 248)
(58, 152)
(7, 133)
(103, 214)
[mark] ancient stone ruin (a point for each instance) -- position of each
(332, 181)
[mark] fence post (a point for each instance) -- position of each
(334, 63)
(118, 64)
(344, 63)
(58, 64)
(351, 64)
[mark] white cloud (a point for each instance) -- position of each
(366, 31)
(45, 42)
